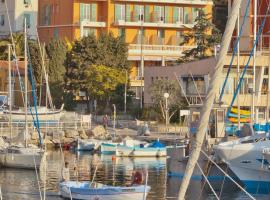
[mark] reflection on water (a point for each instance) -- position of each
(23, 184)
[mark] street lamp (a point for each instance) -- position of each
(166, 96)
(114, 118)
(126, 82)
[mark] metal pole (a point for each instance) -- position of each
(125, 108)
(238, 67)
(114, 118)
(25, 83)
(142, 61)
(211, 95)
(10, 90)
(254, 63)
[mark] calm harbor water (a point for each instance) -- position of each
(23, 184)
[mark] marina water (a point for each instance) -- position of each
(23, 184)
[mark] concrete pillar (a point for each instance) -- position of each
(163, 62)
(142, 66)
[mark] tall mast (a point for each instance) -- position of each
(25, 84)
(211, 94)
(254, 64)
(9, 90)
(238, 68)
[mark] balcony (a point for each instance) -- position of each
(154, 20)
(185, 2)
(93, 23)
(157, 50)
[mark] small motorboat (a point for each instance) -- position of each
(110, 147)
(98, 191)
(87, 145)
(155, 149)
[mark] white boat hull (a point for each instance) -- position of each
(247, 161)
(124, 151)
(106, 193)
(85, 145)
(44, 114)
(21, 161)
(108, 148)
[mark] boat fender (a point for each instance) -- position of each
(137, 178)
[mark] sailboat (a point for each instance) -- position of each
(248, 157)
(21, 156)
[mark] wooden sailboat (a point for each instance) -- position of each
(21, 156)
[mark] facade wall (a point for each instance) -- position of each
(161, 32)
(18, 10)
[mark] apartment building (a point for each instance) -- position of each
(18, 11)
(152, 28)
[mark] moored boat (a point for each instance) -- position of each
(88, 191)
(248, 159)
(21, 157)
(155, 149)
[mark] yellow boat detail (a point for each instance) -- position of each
(242, 120)
(242, 112)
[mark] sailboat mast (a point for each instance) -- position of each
(238, 69)
(254, 63)
(211, 94)
(25, 84)
(9, 90)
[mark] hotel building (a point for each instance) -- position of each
(18, 10)
(152, 28)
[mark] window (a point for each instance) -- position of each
(27, 18)
(89, 31)
(56, 32)
(28, 2)
(121, 32)
(46, 15)
(2, 20)
(128, 13)
(159, 13)
(147, 16)
(187, 16)
(178, 15)
(88, 12)
(139, 12)
(161, 33)
(220, 116)
(119, 12)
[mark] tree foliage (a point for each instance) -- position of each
(18, 39)
(204, 34)
(96, 66)
(101, 81)
(175, 101)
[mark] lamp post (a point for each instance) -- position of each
(125, 103)
(166, 96)
(114, 118)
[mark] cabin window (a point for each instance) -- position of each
(220, 116)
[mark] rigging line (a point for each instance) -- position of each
(14, 52)
(206, 179)
(234, 51)
(227, 175)
(247, 64)
(34, 95)
(38, 181)
(43, 66)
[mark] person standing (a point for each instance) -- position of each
(65, 172)
(105, 121)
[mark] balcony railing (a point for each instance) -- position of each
(155, 20)
(187, 2)
(166, 50)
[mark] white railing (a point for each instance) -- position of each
(148, 47)
(192, 2)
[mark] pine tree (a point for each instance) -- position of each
(204, 35)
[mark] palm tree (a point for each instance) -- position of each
(18, 39)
